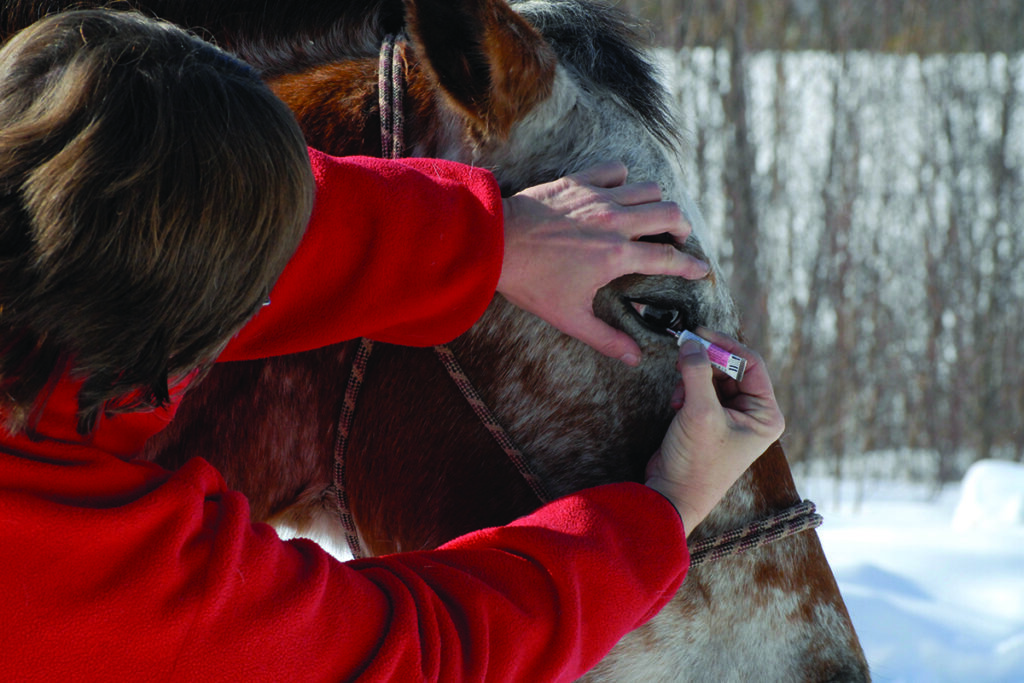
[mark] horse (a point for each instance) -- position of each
(532, 90)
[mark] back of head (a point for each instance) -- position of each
(151, 191)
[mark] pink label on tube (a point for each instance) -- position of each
(729, 363)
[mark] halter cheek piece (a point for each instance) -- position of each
(391, 88)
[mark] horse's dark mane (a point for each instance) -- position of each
(604, 46)
(272, 35)
(600, 43)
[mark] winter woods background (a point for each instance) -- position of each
(861, 163)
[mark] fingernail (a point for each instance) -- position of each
(630, 359)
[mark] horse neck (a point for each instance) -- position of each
(767, 614)
(767, 487)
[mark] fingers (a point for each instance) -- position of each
(566, 239)
(612, 177)
(608, 174)
(642, 213)
(649, 258)
(605, 339)
(636, 193)
(648, 214)
(656, 258)
(653, 218)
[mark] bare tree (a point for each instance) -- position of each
(867, 196)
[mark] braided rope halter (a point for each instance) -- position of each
(391, 88)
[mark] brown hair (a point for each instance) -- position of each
(151, 191)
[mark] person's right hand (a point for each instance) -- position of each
(721, 427)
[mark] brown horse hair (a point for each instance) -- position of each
(151, 191)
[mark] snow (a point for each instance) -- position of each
(934, 583)
(992, 496)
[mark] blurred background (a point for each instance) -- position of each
(860, 165)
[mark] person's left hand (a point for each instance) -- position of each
(722, 426)
(566, 239)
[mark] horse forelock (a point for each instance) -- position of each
(605, 47)
(607, 101)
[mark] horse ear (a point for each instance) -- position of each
(489, 62)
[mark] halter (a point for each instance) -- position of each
(391, 89)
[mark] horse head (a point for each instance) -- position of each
(532, 90)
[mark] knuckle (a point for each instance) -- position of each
(670, 256)
(780, 425)
(618, 254)
(608, 214)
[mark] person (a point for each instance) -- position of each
(158, 213)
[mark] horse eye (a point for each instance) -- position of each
(656, 317)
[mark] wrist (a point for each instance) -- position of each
(689, 514)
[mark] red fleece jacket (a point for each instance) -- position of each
(114, 569)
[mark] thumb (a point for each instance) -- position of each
(695, 369)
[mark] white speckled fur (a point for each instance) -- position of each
(589, 420)
(575, 429)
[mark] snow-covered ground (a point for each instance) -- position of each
(934, 584)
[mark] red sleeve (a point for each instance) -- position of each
(544, 598)
(407, 252)
(179, 585)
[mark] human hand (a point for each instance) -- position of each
(566, 239)
(720, 428)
